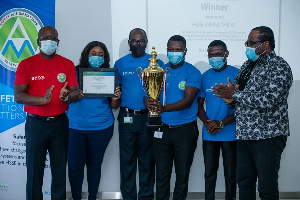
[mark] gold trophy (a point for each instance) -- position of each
(153, 80)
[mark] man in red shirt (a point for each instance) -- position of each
(46, 83)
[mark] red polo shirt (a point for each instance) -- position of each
(40, 74)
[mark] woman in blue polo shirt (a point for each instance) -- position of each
(91, 127)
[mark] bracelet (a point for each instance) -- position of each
(222, 124)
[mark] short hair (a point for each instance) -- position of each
(177, 38)
(84, 58)
(218, 43)
(266, 34)
(137, 29)
(48, 28)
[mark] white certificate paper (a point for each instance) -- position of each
(98, 83)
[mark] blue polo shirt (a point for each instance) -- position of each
(216, 109)
(90, 113)
(186, 75)
(132, 89)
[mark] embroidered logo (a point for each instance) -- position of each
(181, 85)
(61, 77)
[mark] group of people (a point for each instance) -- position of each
(244, 115)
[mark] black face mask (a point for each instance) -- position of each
(137, 50)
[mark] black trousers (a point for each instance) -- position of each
(176, 145)
(211, 154)
(259, 160)
(136, 152)
(43, 135)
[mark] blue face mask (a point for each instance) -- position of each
(250, 53)
(96, 61)
(216, 62)
(175, 57)
(48, 47)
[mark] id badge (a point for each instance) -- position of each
(158, 134)
(128, 120)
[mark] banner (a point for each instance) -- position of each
(20, 22)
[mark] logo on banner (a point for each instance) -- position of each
(18, 34)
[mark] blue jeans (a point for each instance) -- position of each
(87, 148)
(136, 150)
(259, 159)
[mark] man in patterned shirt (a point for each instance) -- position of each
(259, 93)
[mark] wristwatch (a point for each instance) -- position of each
(66, 99)
(221, 124)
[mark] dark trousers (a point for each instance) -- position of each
(211, 154)
(42, 135)
(259, 159)
(136, 149)
(176, 145)
(87, 148)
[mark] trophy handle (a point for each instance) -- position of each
(168, 71)
(139, 72)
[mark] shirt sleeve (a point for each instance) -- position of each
(117, 66)
(201, 92)
(72, 79)
(270, 91)
(194, 77)
(22, 76)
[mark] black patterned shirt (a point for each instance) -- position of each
(261, 109)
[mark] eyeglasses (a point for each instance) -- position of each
(48, 38)
(174, 50)
(250, 43)
(134, 42)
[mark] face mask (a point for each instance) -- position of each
(96, 61)
(216, 62)
(175, 57)
(250, 53)
(137, 50)
(48, 47)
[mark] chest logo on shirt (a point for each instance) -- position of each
(38, 78)
(181, 85)
(128, 73)
(61, 77)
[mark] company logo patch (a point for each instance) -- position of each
(181, 85)
(18, 34)
(61, 77)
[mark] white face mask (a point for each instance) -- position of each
(48, 47)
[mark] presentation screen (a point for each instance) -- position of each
(202, 21)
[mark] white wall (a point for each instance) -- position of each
(79, 22)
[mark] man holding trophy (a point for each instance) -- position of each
(134, 137)
(176, 140)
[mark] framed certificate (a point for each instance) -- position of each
(98, 82)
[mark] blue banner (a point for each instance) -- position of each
(20, 22)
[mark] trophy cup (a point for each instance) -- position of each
(153, 79)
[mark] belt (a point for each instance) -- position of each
(179, 126)
(46, 118)
(135, 112)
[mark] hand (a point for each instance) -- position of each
(223, 90)
(213, 126)
(154, 105)
(64, 92)
(80, 94)
(117, 93)
(48, 95)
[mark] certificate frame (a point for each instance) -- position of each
(98, 82)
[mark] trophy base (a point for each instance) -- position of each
(154, 122)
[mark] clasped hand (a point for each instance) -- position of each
(154, 105)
